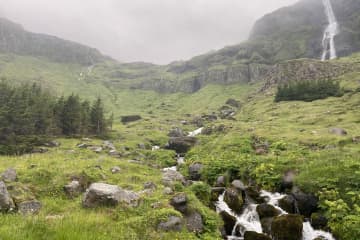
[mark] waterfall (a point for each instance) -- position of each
(329, 49)
(196, 132)
(249, 220)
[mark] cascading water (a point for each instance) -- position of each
(329, 49)
(249, 220)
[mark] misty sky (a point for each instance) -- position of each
(158, 31)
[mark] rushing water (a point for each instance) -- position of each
(329, 49)
(249, 219)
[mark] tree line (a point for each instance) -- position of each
(29, 116)
(308, 90)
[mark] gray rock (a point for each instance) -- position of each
(232, 102)
(179, 202)
(73, 189)
(96, 149)
(238, 185)
(114, 153)
(181, 144)
(194, 222)
(115, 170)
(234, 200)
(29, 207)
(195, 171)
(9, 175)
(108, 145)
(220, 182)
(6, 203)
(338, 131)
(171, 224)
(168, 191)
(52, 144)
(170, 177)
(83, 145)
(150, 185)
(101, 194)
(141, 146)
(176, 132)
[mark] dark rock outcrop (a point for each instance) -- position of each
(181, 144)
(173, 223)
(229, 222)
(234, 200)
(130, 118)
(288, 204)
(29, 207)
(318, 221)
(179, 202)
(195, 171)
(266, 210)
(306, 203)
(255, 236)
(194, 222)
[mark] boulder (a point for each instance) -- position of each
(150, 185)
(252, 193)
(29, 207)
(266, 224)
(238, 185)
(338, 131)
(306, 203)
(287, 181)
(52, 144)
(288, 204)
(173, 223)
(101, 194)
(220, 181)
(179, 202)
(255, 236)
(215, 193)
(195, 171)
(266, 210)
(181, 144)
(6, 203)
(9, 175)
(194, 222)
(170, 177)
(130, 118)
(73, 189)
(176, 132)
(232, 102)
(229, 222)
(318, 221)
(234, 200)
(287, 227)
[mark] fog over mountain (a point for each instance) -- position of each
(158, 31)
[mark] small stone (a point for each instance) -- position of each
(168, 191)
(115, 170)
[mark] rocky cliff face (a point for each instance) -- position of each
(15, 40)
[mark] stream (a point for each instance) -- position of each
(249, 220)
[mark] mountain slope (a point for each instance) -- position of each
(15, 40)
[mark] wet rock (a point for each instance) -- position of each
(255, 236)
(194, 222)
(287, 227)
(6, 203)
(338, 131)
(232, 102)
(130, 118)
(266, 224)
(234, 200)
(29, 207)
(215, 193)
(179, 202)
(220, 182)
(73, 189)
(170, 177)
(229, 222)
(306, 203)
(150, 185)
(238, 185)
(176, 132)
(101, 194)
(195, 171)
(9, 175)
(288, 204)
(252, 193)
(181, 144)
(266, 210)
(115, 170)
(173, 223)
(318, 221)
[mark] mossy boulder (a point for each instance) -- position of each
(255, 236)
(234, 200)
(266, 210)
(287, 227)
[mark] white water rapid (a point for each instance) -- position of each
(329, 49)
(249, 219)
